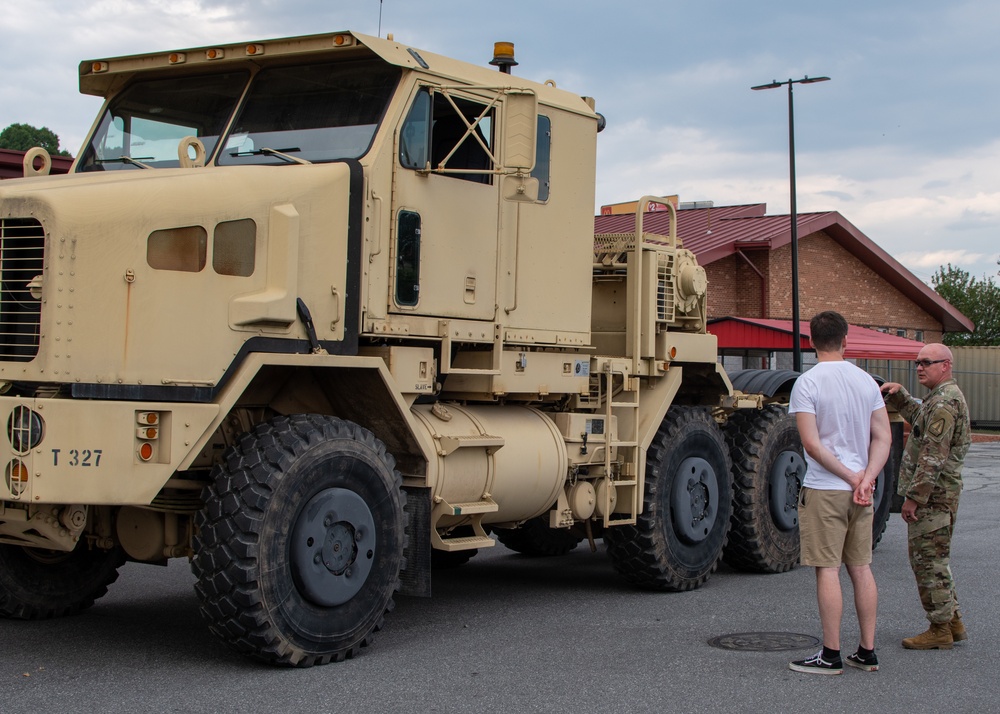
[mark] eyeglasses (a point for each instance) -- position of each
(925, 363)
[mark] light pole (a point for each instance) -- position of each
(796, 347)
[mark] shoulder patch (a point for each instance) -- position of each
(940, 423)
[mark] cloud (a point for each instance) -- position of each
(903, 141)
(938, 258)
(973, 220)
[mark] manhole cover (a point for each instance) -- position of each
(763, 641)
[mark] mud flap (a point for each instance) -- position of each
(415, 578)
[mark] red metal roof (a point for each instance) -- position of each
(12, 164)
(741, 333)
(704, 231)
(715, 233)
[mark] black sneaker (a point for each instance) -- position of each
(868, 664)
(817, 665)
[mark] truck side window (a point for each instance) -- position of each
(415, 137)
(183, 249)
(543, 152)
(408, 258)
(435, 132)
(234, 247)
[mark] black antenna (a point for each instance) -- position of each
(379, 18)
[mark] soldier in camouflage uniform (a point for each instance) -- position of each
(930, 478)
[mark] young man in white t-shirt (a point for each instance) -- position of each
(844, 428)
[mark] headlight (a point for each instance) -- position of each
(25, 429)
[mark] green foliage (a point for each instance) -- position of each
(21, 137)
(978, 299)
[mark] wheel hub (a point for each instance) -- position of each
(340, 549)
(784, 484)
(694, 500)
(333, 547)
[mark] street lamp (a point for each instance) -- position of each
(796, 347)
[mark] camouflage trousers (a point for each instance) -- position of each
(929, 540)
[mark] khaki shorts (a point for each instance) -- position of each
(833, 529)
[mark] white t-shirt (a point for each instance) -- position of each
(843, 398)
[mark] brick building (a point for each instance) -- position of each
(747, 256)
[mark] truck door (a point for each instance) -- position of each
(445, 208)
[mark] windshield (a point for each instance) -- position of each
(144, 124)
(313, 113)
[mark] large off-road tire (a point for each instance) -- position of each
(300, 542)
(678, 539)
(36, 584)
(768, 469)
(885, 489)
(536, 539)
(449, 559)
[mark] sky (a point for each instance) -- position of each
(904, 141)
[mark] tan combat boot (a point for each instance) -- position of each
(958, 632)
(937, 637)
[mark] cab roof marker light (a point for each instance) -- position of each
(342, 40)
(98, 67)
(177, 58)
(215, 54)
(254, 50)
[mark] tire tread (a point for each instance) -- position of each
(638, 552)
(227, 544)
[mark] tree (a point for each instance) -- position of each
(21, 137)
(978, 299)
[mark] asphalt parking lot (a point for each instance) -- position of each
(506, 633)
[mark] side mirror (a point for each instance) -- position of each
(520, 129)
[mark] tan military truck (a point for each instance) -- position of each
(317, 312)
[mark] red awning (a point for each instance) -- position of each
(745, 333)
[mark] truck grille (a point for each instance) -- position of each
(22, 257)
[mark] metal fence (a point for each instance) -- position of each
(976, 369)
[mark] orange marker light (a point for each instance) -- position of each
(253, 50)
(177, 58)
(18, 471)
(145, 451)
(98, 67)
(215, 54)
(147, 432)
(17, 477)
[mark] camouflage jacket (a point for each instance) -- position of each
(931, 472)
